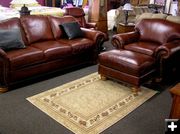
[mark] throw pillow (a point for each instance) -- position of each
(72, 29)
(11, 39)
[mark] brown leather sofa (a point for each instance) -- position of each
(47, 49)
(157, 38)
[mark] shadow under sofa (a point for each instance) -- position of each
(47, 49)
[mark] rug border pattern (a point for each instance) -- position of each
(78, 125)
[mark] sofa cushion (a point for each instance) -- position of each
(13, 23)
(56, 21)
(24, 57)
(11, 39)
(53, 49)
(143, 16)
(37, 28)
(78, 45)
(72, 30)
(138, 10)
(147, 48)
(175, 19)
(159, 16)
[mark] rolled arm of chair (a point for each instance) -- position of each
(91, 25)
(166, 50)
(120, 40)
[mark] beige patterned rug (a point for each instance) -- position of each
(89, 105)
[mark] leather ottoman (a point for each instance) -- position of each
(126, 66)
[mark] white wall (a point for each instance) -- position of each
(174, 8)
(167, 8)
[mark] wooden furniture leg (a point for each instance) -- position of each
(3, 89)
(103, 77)
(136, 89)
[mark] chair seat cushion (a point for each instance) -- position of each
(147, 48)
(24, 57)
(53, 49)
(128, 62)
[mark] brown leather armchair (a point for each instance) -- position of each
(156, 38)
(79, 14)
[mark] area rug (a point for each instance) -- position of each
(89, 105)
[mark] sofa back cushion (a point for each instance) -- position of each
(13, 23)
(158, 30)
(175, 19)
(37, 28)
(151, 16)
(56, 21)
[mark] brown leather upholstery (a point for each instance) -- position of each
(36, 29)
(157, 38)
(47, 49)
(76, 44)
(126, 66)
(53, 49)
(24, 57)
(79, 14)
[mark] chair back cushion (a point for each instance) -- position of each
(78, 14)
(75, 12)
(158, 30)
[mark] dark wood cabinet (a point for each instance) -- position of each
(98, 14)
(113, 4)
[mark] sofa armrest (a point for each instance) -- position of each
(4, 68)
(97, 37)
(94, 35)
(166, 50)
(91, 25)
(120, 40)
(3, 54)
